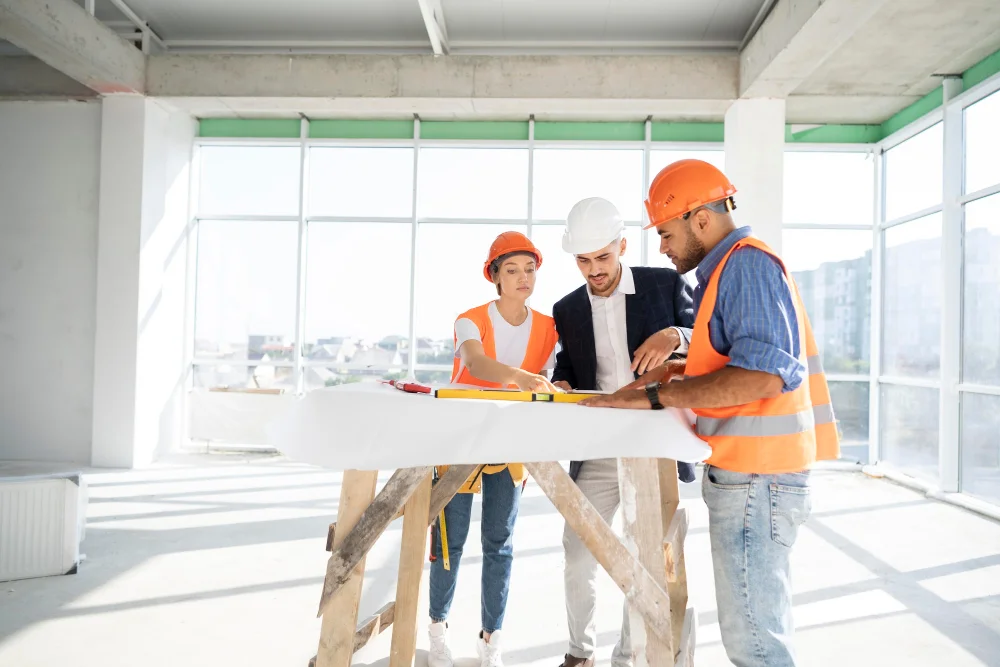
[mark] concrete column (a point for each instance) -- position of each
(755, 145)
(141, 270)
(119, 215)
(952, 257)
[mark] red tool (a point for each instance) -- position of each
(408, 387)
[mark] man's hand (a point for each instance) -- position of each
(627, 399)
(655, 350)
(562, 384)
(664, 373)
(526, 381)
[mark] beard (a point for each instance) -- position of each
(694, 253)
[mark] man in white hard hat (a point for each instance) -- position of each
(621, 323)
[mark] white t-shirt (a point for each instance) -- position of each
(511, 342)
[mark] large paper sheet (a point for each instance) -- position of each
(373, 427)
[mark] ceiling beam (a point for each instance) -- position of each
(795, 39)
(63, 35)
(434, 22)
(569, 82)
(27, 77)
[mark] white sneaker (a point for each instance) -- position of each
(489, 653)
(439, 654)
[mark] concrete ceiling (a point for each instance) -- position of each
(835, 61)
(471, 24)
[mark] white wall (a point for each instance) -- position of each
(138, 386)
(49, 166)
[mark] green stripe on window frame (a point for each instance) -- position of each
(472, 130)
(834, 134)
(361, 129)
(580, 131)
(708, 132)
(249, 128)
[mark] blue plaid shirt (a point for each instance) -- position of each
(754, 322)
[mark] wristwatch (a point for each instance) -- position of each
(653, 394)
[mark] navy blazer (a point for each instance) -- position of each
(662, 299)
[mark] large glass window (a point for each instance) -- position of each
(981, 446)
(981, 356)
(829, 188)
(982, 144)
(245, 290)
(249, 180)
(913, 174)
(565, 176)
(909, 430)
(350, 267)
(473, 183)
(361, 182)
(832, 269)
(850, 405)
(912, 303)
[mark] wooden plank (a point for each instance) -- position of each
(642, 533)
(411, 570)
(685, 654)
(374, 625)
(370, 628)
(673, 543)
(670, 489)
(446, 488)
(677, 585)
(336, 637)
(640, 588)
(372, 523)
(331, 534)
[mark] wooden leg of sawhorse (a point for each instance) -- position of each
(635, 580)
(336, 639)
(411, 569)
(643, 531)
(675, 524)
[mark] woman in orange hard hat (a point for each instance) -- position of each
(754, 378)
(503, 343)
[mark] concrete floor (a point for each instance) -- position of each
(219, 560)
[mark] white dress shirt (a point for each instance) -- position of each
(614, 366)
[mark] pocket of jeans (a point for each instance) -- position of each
(717, 485)
(790, 507)
(726, 480)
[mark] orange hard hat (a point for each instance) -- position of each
(507, 243)
(683, 186)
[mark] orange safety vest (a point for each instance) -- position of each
(787, 433)
(541, 342)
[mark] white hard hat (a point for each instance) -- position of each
(592, 224)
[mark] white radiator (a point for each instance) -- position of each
(42, 521)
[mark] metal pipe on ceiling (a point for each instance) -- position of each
(138, 21)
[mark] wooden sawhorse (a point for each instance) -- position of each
(647, 564)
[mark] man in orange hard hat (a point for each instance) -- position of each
(754, 378)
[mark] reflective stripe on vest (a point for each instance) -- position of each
(766, 426)
(815, 364)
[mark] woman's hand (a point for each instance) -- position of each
(526, 381)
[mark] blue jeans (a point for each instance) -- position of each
(753, 521)
(501, 499)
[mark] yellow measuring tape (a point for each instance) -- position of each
(444, 543)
